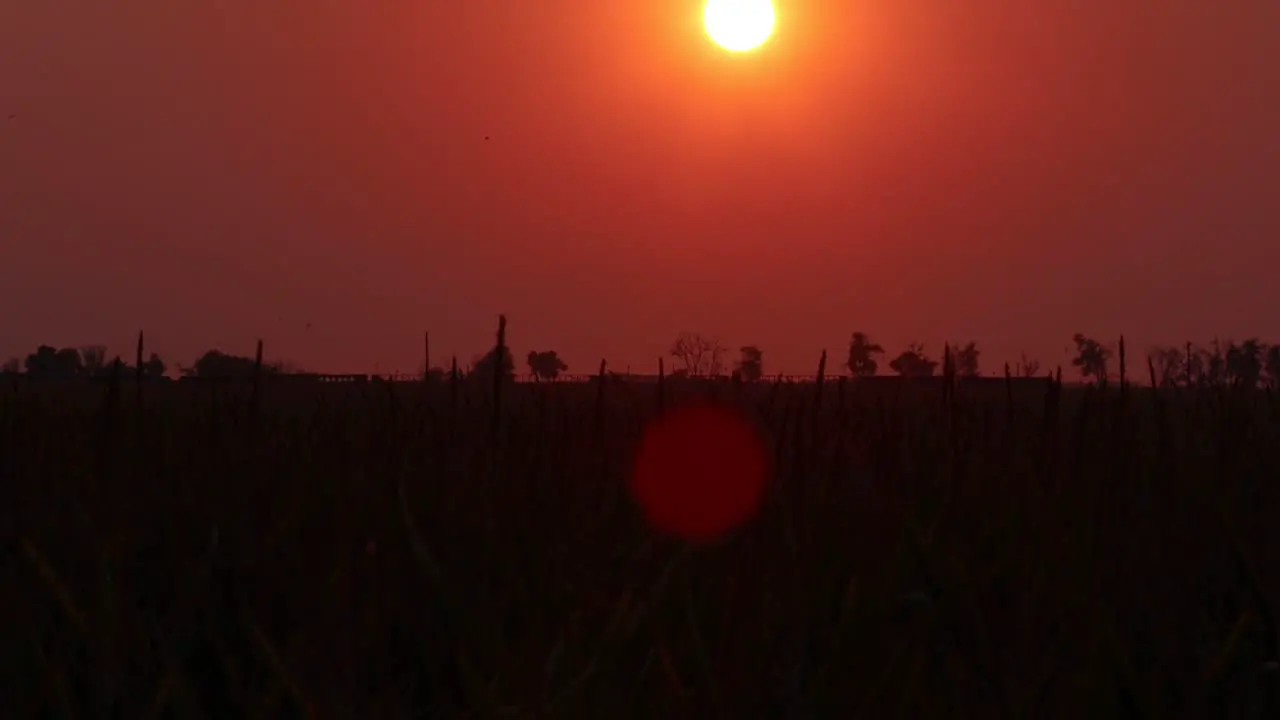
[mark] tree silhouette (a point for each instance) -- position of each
(486, 365)
(217, 364)
(1213, 363)
(69, 363)
(1273, 366)
(751, 364)
(546, 365)
(1192, 365)
(1027, 367)
(432, 374)
(966, 358)
(154, 367)
(862, 354)
(700, 355)
(49, 363)
(1091, 357)
(12, 366)
(715, 367)
(94, 358)
(1170, 365)
(913, 363)
(1244, 362)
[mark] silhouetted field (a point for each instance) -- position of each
(400, 550)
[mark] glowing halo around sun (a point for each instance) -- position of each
(739, 25)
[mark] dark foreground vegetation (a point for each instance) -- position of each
(444, 549)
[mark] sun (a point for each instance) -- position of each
(739, 25)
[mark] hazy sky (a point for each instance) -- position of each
(215, 171)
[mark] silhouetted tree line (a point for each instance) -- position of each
(217, 364)
(543, 365)
(1249, 363)
(89, 362)
(50, 363)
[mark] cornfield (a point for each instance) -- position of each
(455, 549)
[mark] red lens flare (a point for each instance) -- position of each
(699, 471)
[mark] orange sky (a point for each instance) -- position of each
(215, 171)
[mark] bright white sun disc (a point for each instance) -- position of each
(738, 25)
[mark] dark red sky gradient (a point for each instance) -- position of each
(215, 171)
